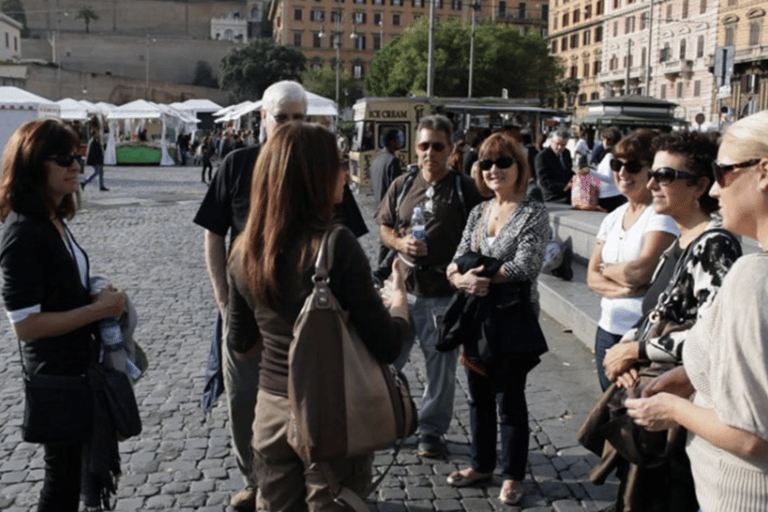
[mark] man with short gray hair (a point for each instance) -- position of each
(554, 168)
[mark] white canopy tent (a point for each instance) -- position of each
(144, 110)
(18, 106)
(73, 110)
(316, 106)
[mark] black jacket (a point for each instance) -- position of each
(38, 269)
(551, 175)
(502, 322)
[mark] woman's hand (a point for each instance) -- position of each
(654, 413)
(620, 358)
(674, 381)
(393, 293)
(472, 283)
(110, 301)
(628, 378)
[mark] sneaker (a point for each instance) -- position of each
(431, 446)
(104, 189)
(245, 500)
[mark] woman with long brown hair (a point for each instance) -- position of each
(297, 180)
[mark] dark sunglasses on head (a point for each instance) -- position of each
(66, 160)
(632, 166)
(721, 170)
(283, 118)
(666, 175)
(503, 162)
(437, 146)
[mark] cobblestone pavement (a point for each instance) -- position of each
(141, 236)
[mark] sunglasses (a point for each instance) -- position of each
(666, 175)
(632, 166)
(437, 146)
(503, 162)
(721, 170)
(66, 160)
(283, 118)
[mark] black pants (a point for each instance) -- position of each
(61, 484)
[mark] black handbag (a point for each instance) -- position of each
(114, 389)
(57, 408)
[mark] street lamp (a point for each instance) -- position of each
(475, 7)
(431, 55)
(146, 64)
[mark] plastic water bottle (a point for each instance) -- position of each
(418, 224)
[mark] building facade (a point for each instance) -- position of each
(352, 31)
(10, 38)
(659, 48)
(742, 27)
(576, 37)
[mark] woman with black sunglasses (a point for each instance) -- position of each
(724, 356)
(684, 287)
(46, 285)
(501, 252)
(630, 242)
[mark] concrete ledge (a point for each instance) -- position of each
(579, 228)
(571, 303)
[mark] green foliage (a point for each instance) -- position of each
(15, 9)
(87, 14)
(502, 59)
(323, 82)
(204, 75)
(246, 72)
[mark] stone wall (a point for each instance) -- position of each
(138, 17)
(48, 83)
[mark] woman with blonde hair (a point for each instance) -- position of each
(297, 180)
(499, 257)
(724, 365)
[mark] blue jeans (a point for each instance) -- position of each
(604, 340)
(437, 405)
(512, 420)
(97, 170)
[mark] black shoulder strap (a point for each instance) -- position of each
(407, 184)
(460, 192)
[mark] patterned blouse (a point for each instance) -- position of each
(519, 243)
(695, 281)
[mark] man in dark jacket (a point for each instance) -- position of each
(554, 169)
(386, 166)
(95, 158)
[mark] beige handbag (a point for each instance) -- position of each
(343, 403)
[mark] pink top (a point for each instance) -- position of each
(585, 191)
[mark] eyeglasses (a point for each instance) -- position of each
(666, 175)
(721, 170)
(632, 166)
(437, 146)
(66, 160)
(282, 118)
(503, 162)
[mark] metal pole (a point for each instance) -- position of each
(629, 55)
(431, 57)
(338, 65)
(650, 51)
(146, 78)
(471, 52)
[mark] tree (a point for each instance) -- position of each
(15, 10)
(246, 72)
(323, 82)
(500, 55)
(204, 75)
(87, 14)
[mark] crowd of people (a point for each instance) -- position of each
(464, 232)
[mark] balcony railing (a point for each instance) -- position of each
(620, 74)
(674, 68)
(751, 53)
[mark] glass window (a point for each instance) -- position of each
(754, 33)
(598, 34)
(565, 20)
(587, 37)
(683, 45)
(700, 47)
(576, 15)
(297, 39)
(297, 14)
(697, 88)
(730, 32)
(679, 89)
(663, 92)
(318, 15)
(316, 40)
(357, 71)
(396, 20)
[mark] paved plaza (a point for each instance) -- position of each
(140, 235)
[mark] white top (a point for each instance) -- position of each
(725, 359)
(608, 186)
(617, 316)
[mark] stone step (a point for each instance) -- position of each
(572, 303)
